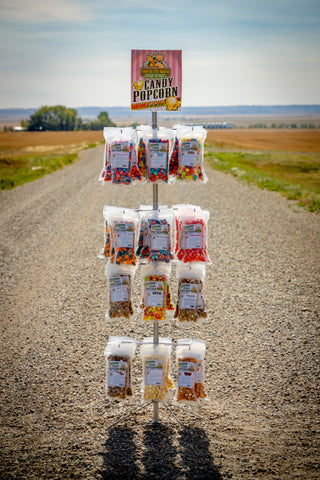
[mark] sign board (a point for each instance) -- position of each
(156, 80)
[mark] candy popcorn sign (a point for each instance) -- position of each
(156, 80)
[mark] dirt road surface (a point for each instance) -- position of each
(262, 360)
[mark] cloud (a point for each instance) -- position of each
(41, 11)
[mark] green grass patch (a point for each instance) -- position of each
(18, 170)
(297, 176)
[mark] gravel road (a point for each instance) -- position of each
(262, 361)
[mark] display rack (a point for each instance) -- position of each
(155, 403)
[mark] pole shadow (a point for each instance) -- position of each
(120, 455)
(160, 453)
(196, 457)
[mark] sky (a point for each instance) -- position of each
(234, 52)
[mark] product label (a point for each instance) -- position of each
(154, 369)
(193, 236)
(124, 234)
(189, 153)
(120, 155)
(158, 154)
(119, 288)
(154, 294)
(159, 237)
(117, 374)
(188, 296)
(186, 374)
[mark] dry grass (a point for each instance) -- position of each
(266, 139)
(25, 143)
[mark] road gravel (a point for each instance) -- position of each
(262, 336)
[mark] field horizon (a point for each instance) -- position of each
(241, 116)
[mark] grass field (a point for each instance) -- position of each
(284, 161)
(26, 156)
(287, 161)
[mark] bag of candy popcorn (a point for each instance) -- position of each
(179, 211)
(192, 235)
(105, 174)
(105, 252)
(119, 354)
(159, 224)
(122, 161)
(155, 358)
(156, 298)
(122, 225)
(120, 281)
(141, 130)
(143, 249)
(158, 151)
(191, 152)
(174, 158)
(190, 367)
(190, 306)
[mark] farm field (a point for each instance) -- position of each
(266, 139)
(251, 139)
(283, 160)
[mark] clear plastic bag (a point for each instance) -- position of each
(190, 306)
(143, 249)
(155, 358)
(121, 164)
(119, 353)
(190, 367)
(105, 175)
(156, 299)
(141, 130)
(159, 225)
(192, 234)
(120, 280)
(191, 151)
(122, 224)
(158, 151)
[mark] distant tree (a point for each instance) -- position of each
(54, 118)
(102, 121)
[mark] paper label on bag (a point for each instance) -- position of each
(159, 237)
(186, 374)
(154, 294)
(120, 155)
(193, 236)
(154, 369)
(117, 373)
(158, 154)
(124, 234)
(119, 288)
(188, 296)
(189, 153)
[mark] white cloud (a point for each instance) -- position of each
(42, 11)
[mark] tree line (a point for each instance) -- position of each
(59, 117)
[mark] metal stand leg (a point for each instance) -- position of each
(144, 405)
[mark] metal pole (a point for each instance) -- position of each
(155, 206)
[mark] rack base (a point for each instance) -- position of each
(155, 422)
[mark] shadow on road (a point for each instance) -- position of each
(161, 454)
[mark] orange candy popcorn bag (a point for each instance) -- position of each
(119, 354)
(190, 367)
(122, 224)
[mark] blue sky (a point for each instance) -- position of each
(234, 52)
